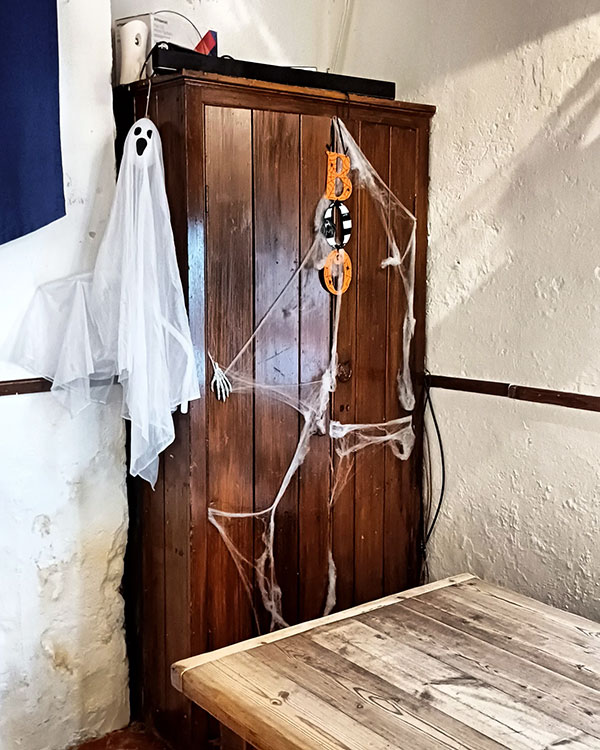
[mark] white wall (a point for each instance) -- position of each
(514, 272)
(281, 32)
(63, 510)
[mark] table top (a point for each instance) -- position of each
(458, 663)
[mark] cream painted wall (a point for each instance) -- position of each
(514, 272)
(63, 508)
(281, 32)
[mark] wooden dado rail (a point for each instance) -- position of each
(517, 392)
(485, 387)
(31, 385)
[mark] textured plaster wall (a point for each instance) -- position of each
(63, 672)
(514, 272)
(63, 509)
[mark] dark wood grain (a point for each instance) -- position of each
(419, 343)
(517, 392)
(27, 385)
(344, 410)
(276, 259)
(154, 574)
(244, 169)
(267, 91)
(402, 507)
(371, 373)
(229, 323)
(153, 608)
(194, 267)
(314, 475)
(170, 119)
(229, 320)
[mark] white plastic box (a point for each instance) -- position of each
(162, 26)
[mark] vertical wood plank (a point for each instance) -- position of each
(170, 120)
(402, 507)
(198, 490)
(276, 257)
(344, 410)
(229, 324)
(153, 565)
(418, 349)
(314, 356)
(153, 606)
(371, 373)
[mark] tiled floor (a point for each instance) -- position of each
(133, 738)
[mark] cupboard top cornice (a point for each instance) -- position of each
(211, 81)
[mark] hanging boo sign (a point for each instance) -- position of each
(337, 224)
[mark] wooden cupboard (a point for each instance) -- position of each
(245, 167)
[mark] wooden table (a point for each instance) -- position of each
(454, 664)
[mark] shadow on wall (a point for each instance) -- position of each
(523, 503)
(416, 42)
(515, 167)
(514, 273)
(517, 272)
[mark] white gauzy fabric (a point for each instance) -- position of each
(125, 320)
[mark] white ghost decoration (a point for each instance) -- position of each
(127, 319)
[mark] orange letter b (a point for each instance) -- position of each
(342, 176)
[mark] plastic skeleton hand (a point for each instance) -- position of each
(220, 384)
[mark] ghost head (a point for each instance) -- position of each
(142, 144)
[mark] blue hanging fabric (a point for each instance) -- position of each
(31, 179)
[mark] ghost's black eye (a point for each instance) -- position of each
(149, 134)
(137, 131)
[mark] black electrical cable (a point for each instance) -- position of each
(425, 505)
(429, 403)
(146, 61)
(175, 13)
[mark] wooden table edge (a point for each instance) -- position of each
(179, 668)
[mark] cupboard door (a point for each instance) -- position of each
(265, 172)
(229, 323)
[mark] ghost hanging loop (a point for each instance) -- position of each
(148, 96)
(336, 137)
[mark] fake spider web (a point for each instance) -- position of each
(312, 399)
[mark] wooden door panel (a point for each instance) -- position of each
(344, 410)
(402, 507)
(371, 372)
(276, 259)
(315, 474)
(229, 322)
